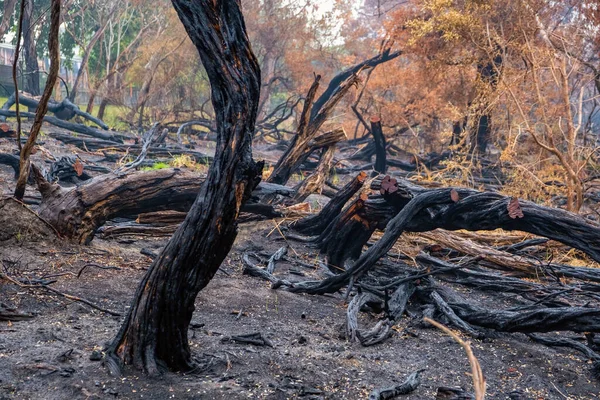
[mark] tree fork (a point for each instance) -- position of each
(155, 332)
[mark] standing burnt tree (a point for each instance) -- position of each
(155, 332)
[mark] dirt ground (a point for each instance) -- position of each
(54, 355)
(48, 356)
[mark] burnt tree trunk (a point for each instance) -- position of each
(315, 224)
(42, 107)
(306, 140)
(380, 145)
(155, 331)
(315, 181)
(481, 131)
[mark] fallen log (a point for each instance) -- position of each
(79, 128)
(418, 210)
(63, 110)
(472, 211)
(12, 161)
(134, 149)
(77, 212)
(408, 386)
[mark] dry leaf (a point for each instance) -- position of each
(514, 209)
(454, 195)
(78, 167)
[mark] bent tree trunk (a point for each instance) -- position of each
(155, 332)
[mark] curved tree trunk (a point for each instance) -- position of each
(155, 332)
(42, 107)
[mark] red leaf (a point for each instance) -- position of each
(454, 195)
(78, 167)
(388, 185)
(514, 209)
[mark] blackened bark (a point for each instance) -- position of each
(337, 80)
(155, 332)
(315, 181)
(315, 224)
(380, 146)
(306, 140)
(43, 104)
(416, 209)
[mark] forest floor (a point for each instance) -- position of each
(49, 355)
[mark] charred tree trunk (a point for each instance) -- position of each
(481, 131)
(314, 183)
(155, 331)
(315, 224)
(43, 104)
(380, 146)
(306, 140)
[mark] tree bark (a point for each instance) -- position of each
(43, 104)
(315, 224)
(155, 331)
(380, 146)
(32, 72)
(8, 10)
(314, 183)
(415, 209)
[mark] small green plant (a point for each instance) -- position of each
(156, 166)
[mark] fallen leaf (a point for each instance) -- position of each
(514, 209)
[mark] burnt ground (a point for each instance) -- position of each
(48, 356)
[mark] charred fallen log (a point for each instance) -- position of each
(63, 110)
(401, 206)
(135, 149)
(12, 161)
(473, 210)
(76, 213)
(79, 128)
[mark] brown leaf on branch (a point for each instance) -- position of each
(514, 209)
(454, 195)
(78, 167)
